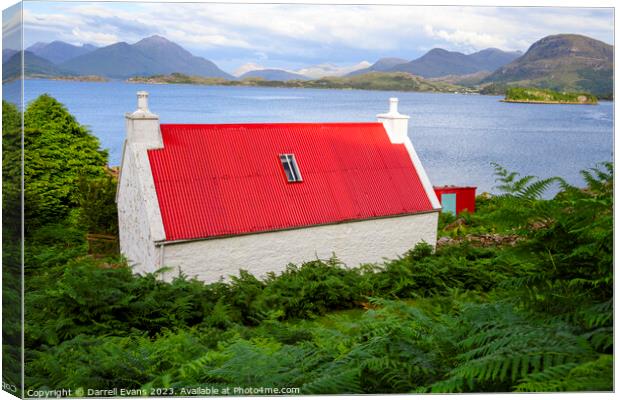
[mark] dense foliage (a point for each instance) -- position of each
(533, 313)
(57, 152)
(11, 245)
(547, 96)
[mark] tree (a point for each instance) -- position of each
(57, 152)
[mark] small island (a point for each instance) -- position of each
(547, 96)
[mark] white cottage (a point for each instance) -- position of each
(211, 199)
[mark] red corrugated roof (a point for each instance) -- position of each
(215, 180)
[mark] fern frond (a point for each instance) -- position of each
(536, 189)
(602, 339)
(342, 382)
(593, 375)
(546, 380)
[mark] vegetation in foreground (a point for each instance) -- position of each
(518, 299)
(400, 81)
(547, 96)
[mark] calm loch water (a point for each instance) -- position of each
(456, 136)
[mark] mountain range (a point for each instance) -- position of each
(58, 52)
(439, 62)
(150, 56)
(156, 55)
(561, 62)
(435, 63)
(34, 66)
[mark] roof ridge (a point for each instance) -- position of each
(257, 124)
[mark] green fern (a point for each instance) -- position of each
(344, 382)
(596, 375)
(502, 347)
(525, 188)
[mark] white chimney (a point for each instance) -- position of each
(395, 123)
(143, 101)
(142, 126)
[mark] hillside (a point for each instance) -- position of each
(58, 52)
(561, 62)
(384, 81)
(150, 56)
(273, 75)
(439, 62)
(492, 59)
(34, 67)
(469, 80)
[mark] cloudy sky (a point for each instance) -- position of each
(296, 36)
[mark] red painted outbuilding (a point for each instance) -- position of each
(456, 199)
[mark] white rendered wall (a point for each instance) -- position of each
(136, 212)
(353, 243)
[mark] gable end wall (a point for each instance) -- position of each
(136, 233)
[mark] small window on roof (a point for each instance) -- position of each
(290, 167)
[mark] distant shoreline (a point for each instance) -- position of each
(306, 87)
(265, 86)
(80, 78)
(98, 79)
(88, 78)
(548, 102)
(396, 81)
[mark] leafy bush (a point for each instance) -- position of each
(312, 289)
(57, 151)
(97, 203)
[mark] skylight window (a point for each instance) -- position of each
(290, 167)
